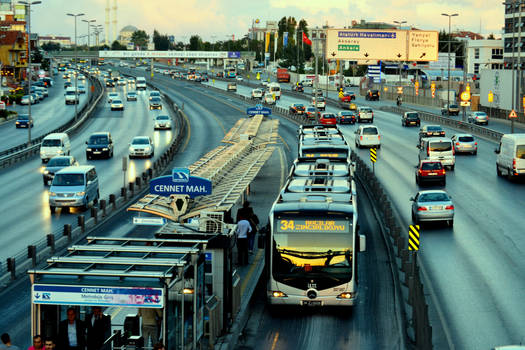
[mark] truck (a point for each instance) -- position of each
(282, 75)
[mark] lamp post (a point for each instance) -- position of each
(449, 44)
(89, 21)
(399, 24)
(29, 71)
(76, 63)
(97, 29)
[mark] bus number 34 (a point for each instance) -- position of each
(287, 225)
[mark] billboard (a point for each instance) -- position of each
(382, 44)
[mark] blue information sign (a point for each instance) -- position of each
(234, 54)
(259, 109)
(180, 182)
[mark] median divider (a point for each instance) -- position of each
(52, 243)
(23, 152)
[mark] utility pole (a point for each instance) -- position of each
(316, 77)
(76, 64)
(449, 45)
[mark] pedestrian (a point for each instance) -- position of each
(71, 332)
(6, 343)
(49, 344)
(37, 343)
(247, 212)
(241, 232)
(98, 328)
(151, 319)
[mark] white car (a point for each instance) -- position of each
(82, 89)
(113, 96)
(320, 102)
(239, 78)
(367, 136)
(154, 94)
(117, 105)
(162, 122)
(257, 93)
(365, 114)
(268, 99)
(131, 81)
(27, 99)
(141, 146)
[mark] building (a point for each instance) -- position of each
(125, 34)
(64, 41)
(13, 55)
(513, 32)
(483, 54)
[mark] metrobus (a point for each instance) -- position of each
(230, 72)
(311, 250)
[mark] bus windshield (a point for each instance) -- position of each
(310, 247)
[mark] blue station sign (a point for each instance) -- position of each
(180, 182)
(259, 109)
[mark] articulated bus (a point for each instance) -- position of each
(311, 251)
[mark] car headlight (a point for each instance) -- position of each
(278, 294)
(60, 151)
(88, 149)
(147, 149)
(80, 193)
(131, 149)
(52, 194)
(105, 149)
(46, 172)
(346, 296)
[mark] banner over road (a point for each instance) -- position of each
(382, 44)
(169, 54)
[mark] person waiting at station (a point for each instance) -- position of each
(98, 328)
(49, 344)
(6, 343)
(151, 319)
(241, 232)
(71, 332)
(37, 343)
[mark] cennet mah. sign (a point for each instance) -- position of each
(169, 54)
(180, 182)
(258, 109)
(382, 44)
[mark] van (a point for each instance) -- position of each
(510, 159)
(438, 149)
(71, 96)
(56, 144)
(367, 136)
(141, 83)
(74, 186)
(275, 90)
(307, 82)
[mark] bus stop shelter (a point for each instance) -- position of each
(124, 275)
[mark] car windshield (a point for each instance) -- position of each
(480, 114)
(154, 93)
(412, 116)
(131, 94)
(23, 117)
(433, 197)
(299, 106)
(58, 162)
(155, 99)
(310, 109)
(326, 116)
(117, 101)
(440, 146)
(163, 117)
(454, 106)
(431, 166)
(140, 141)
(434, 128)
(366, 110)
(520, 151)
(346, 114)
(51, 143)
(98, 140)
(68, 180)
(370, 131)
(466, 139)
(113, 94)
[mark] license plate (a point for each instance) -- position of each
(432, 173)
(311, 303)
(436, 207)
(467, 146)
(97, 152)
(412, 123)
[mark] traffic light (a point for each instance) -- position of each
(475, 77)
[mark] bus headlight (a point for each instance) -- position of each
(346, 296)
(278, 294)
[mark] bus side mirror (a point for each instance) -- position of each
(362, 243)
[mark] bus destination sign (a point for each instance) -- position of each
(305, 225)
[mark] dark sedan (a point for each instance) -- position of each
(23, 121)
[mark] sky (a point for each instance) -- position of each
(216, 20)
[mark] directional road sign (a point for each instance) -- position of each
(259, 109)
(413, 237)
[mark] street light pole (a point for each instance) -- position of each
(399, 24)
(449, 44)
(29, 71)
(76, 63)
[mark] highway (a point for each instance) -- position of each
(47, 115)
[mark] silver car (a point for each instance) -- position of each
(141, 146)
(432, 205)
(478, 118)
(464, 143)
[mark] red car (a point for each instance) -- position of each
(430, 171)
(328, 119)
(347, 97)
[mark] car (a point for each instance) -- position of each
(367, 136)
(438, 149)
(113, 96)
(430, 171)
(348, 105)
(122, 81)
(410, 118)
(153, 94)
(257, 93)
(432, 205)
(478, 118)
(346, 117)
(346, 97)
(464, 143)
(320, 102)
(317, 92)
(297, 108)
(231, 87)
(27, 99)
(307, 82)
(81, 77)
(431, 131)
(110, 83)
(55, 144)
(23, 121)
(264, 83)
(510, 156)
(268, 99)
(365, 114)
(298, 87)
(37, 97)
(117, 105)
(131, 81)
(81, 89)
(372, 95)
(328, 119)
(131, 96)
(162, 121)
(141, 146)
(310, 113)
(56, 164)
(67, 84)
(205, 77)
(239, 78)
(99, 144)
(155, 103)
(452, 109)
(74, 186)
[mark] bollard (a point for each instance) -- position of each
(94, 214)
(102, 205)
(113, 200)
(31, 254)
(131, 187)
(81, 220)
(400, 243)
(51, 242)
(123, 192)
(11, 267)
(67, 231)
(138, 182)
(150, 173)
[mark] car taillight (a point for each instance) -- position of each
(372, 114)
(453, 151)
(421, 208)
(457, 143)
(428, 151)
(475, 143)
(361, 138)
(449, 207)
(514, 164)
(379, 137)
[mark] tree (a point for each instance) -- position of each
(49, 46)
(116, 46)
(141, 39)
(491, 37)
(195, 43)
(162, 43)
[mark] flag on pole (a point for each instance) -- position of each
(306, 40)
(275, 38)
(267, 41)
(285, 39)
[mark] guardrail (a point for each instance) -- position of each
(22, 152)
(38, 251)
